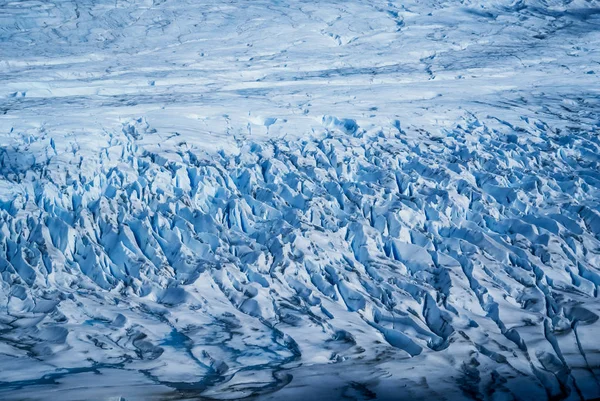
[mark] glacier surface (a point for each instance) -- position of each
(287, 199)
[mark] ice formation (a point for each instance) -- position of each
(300, 199)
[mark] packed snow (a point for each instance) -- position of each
(299, 199)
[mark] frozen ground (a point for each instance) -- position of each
(299, 200)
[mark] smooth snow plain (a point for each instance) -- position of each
(299, 199)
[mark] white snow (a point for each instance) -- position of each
(281, 200)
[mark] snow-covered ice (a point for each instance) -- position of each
(287, 199)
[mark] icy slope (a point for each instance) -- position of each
(211, 70)
(291, 200)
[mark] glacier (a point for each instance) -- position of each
(272, 199)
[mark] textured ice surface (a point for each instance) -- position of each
(282, 200)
